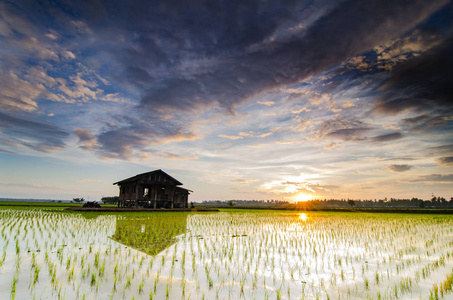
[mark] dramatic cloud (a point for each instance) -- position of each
(345, 129)
(124, 142)
(36, 135)
(216, 68)
(425, 122)
(17, 94)
(435, 178)
(399, 168)
(87, 138)
(445, 161)
(388, 137)
(443, 150)
(297, 95)
(423, 84)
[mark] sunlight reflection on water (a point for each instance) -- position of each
(303, 217)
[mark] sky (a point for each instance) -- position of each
(286, 100)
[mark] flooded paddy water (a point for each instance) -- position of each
(50, 254)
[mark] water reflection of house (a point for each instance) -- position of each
(154, 189)
(152, 233)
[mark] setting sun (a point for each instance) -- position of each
(303, 197)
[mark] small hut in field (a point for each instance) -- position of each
(155, 189)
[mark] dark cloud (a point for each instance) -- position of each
(27, 132)
(87, 138)
(423, 84)
(126, 141)
(399, 159)
(120, 143)
(180, 58)
(345, 129)
(445, 161)
(444, 150)
(399, 168)
(349, 134)
(435, 178)
(425, 122)
(183, 57)
(388, 137)
(6, 151)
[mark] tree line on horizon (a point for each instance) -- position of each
(434, 202)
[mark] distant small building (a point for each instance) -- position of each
(155, 189)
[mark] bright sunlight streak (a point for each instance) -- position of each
(303, 197)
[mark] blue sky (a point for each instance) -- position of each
(236, 99)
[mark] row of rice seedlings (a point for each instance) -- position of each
(322, 257)
(254, 255)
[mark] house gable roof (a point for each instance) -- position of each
(147, 175)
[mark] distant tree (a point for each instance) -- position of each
(192, 205)
(230, 203)
(110, 200)
(78, 200)
(351, 203)
(421, 204)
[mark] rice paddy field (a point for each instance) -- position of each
(53, 254)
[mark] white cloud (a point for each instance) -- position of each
(231, 137)
(68, 54)
(267, 103)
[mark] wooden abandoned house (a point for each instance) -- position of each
(155, 189)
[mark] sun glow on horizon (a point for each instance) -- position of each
(302, 197)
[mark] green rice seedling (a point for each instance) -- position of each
(115, 269)
(140, 287)
(96, 260)
(101, 269)
(183, 286)
(71, 274)
(156, 280)
(13, 287)
(17, 247)
(128, 283)
(211, 282)
(35, 275)
(68, 263)
(2, 260)
(434, 293)
(278, 294)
